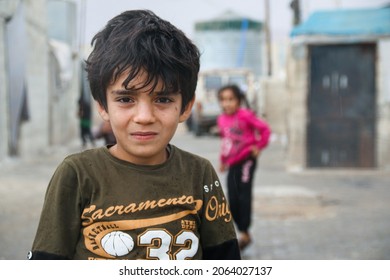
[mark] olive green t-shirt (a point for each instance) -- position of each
(99, 207)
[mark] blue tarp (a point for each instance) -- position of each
(346, 22)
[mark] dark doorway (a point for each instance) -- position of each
(341, 103)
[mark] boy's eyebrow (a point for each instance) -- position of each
(123, 91)
(132, 92)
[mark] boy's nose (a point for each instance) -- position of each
(144, 113)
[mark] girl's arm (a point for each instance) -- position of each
(263, 129)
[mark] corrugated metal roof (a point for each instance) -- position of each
(346, 22)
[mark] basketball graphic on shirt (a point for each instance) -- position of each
(117, 243)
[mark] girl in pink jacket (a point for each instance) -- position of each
(243, 135)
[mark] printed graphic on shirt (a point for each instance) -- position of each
(233, 141)
(112, 239)
(246, 169)
(216, 209)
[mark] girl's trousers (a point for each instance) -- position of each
(239, 185)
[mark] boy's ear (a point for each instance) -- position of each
(102, 112)
(187, 112)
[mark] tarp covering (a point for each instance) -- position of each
(346, 22)
(16, 55)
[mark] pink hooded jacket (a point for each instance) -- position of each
(239, 133)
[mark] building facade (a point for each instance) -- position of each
(339, 90)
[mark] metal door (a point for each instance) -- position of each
(341, 103)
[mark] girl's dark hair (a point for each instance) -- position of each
(138, 41)
(237, 92)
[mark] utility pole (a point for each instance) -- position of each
(82, 23)
(268, 37)
(296, 7)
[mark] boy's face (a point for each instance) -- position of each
(143, 121)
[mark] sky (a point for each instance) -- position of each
(184, 13)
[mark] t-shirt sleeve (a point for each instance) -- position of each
(218, 235)
(59, 226)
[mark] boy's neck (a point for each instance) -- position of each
(113, 150)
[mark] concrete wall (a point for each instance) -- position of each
(274, 107)
(52, 109)
(3, 96)
(383, 103)
(34, 133)
(62, 110)
(7, 8)
(297, 85)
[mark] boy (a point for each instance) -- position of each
(141, 198)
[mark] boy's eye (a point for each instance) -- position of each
(124, 99)
(163, 100)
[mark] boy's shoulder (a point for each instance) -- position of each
(188, 163)
(87, 156)
(181, 154)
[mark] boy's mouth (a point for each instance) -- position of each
(143, 135)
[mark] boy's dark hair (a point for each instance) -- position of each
(138, 41)
(237, 92)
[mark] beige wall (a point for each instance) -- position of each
(383, 101)
(297, 85)
(274, 106)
